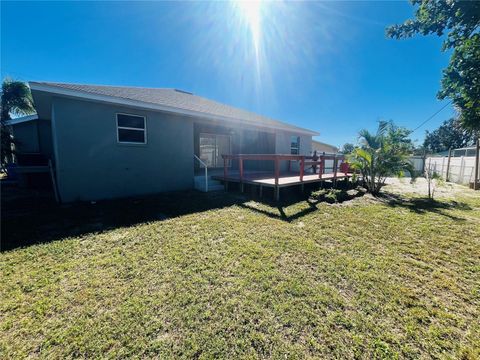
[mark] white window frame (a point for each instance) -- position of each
(298, 145)
(130, 128)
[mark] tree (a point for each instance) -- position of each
(449, 135)
(383, 154)
(16, 100)
(460, 20)
(433, 180)
(347, 148)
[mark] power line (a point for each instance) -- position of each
(432, 116)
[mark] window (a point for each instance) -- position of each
(131, 129)
(295, 145)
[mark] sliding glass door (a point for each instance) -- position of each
(212, 147)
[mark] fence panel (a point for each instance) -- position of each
(461, 170)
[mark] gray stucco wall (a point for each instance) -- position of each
(282, 146)
(92, 165)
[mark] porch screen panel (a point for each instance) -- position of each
(212, 147)
(208, 149)
(223, 148)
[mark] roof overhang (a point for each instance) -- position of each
(34, 86)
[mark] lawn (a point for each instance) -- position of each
(231, 277)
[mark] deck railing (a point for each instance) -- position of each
(303, 161)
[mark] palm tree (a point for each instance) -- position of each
(16, 100)
(383, 154)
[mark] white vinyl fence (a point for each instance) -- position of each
(460, 171)
(417, 162)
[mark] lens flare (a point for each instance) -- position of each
(251, 13)
(259, 47)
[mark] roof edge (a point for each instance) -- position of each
(324, 143)
(40, 86)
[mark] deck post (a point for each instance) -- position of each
(277, 171)
(302, 167)
(277, 174)
(322, 166)
(240, 167)
(225, 173)
(225, 167)
(335, 165)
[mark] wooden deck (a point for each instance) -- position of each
(278, 179)
(285, 179)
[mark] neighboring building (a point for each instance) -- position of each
(112, 141)
(321, 147)
(32, 136)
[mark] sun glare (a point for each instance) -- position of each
(251, 13)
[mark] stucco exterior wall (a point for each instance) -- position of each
(92, 165)
(282, 146)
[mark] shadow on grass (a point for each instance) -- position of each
(424, 205)
(281, 215)
(32, 216)
(307, 204)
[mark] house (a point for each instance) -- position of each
(322, 147)
(115, 141)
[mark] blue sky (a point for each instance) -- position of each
(321, 65)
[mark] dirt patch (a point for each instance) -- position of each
(420, 187)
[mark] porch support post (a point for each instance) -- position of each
(240, 166)
(277, 174)
(302, 167)
(225, 173)
(225, 168)
(335, 164)
(322, 166)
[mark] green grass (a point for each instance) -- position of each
(365, 279)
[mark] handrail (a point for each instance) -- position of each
(274, 157)
(206, 170)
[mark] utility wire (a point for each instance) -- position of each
(432, 116)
